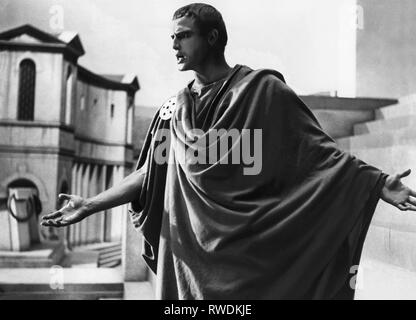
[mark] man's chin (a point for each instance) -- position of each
(182, 67)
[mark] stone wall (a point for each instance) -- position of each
(386, 49)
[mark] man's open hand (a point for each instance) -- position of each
(398, 194)
(74, 211)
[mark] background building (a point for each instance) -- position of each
(63, 129)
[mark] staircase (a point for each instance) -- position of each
(89, 272)
(389, 143)
(393, 126)
(109, 253)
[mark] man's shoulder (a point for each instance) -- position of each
(269, 75)
(257, 78)
(269, 81)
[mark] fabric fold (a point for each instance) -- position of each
(289, 225)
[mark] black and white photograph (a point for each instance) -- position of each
(228, 152)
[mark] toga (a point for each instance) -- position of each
(293, 230)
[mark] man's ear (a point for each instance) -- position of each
(213, 37)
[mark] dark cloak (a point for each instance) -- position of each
(293, 231)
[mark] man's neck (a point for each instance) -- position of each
(211, 72)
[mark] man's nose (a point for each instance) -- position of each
(175, 44)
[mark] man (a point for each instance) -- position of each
(292, 228)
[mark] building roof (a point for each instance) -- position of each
(113, 77)
(29, 37)
(115, 82)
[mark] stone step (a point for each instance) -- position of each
(58, 296)
(84, 259)
(411, 98)
(109, 253)
(116, 257)
(100, 246)
(111, 263)
(319, 102)
(404, 137)
(110, 257)
(142, 290)
(60, 283)
(384, 281)
(391, 244)
(41, 256)
(397, 110)
(385, 125)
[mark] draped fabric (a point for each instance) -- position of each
(292, 230)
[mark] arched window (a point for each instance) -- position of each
(22, 183)
(26, 99)
(82, 103)
(24, 206)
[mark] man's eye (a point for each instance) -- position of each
(184, 35)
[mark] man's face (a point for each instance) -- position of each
(191, 48)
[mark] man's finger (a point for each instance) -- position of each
(410, 207)
(52, 215)
(50, 223)
(405, 173)
(412, 201)
(64, 196)
(402, 207)
(412, 193)
(58, 220)
(64, 223)
(44, 223)
(407, 207)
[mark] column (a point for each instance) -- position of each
(77, 229)
(108, 216)
(85, 194)
(5, 234)
(101, 216)
(117, 213)
(73, 190)
(92, 220)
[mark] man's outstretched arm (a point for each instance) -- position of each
(78, 208)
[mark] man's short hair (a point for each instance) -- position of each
(206, 18)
